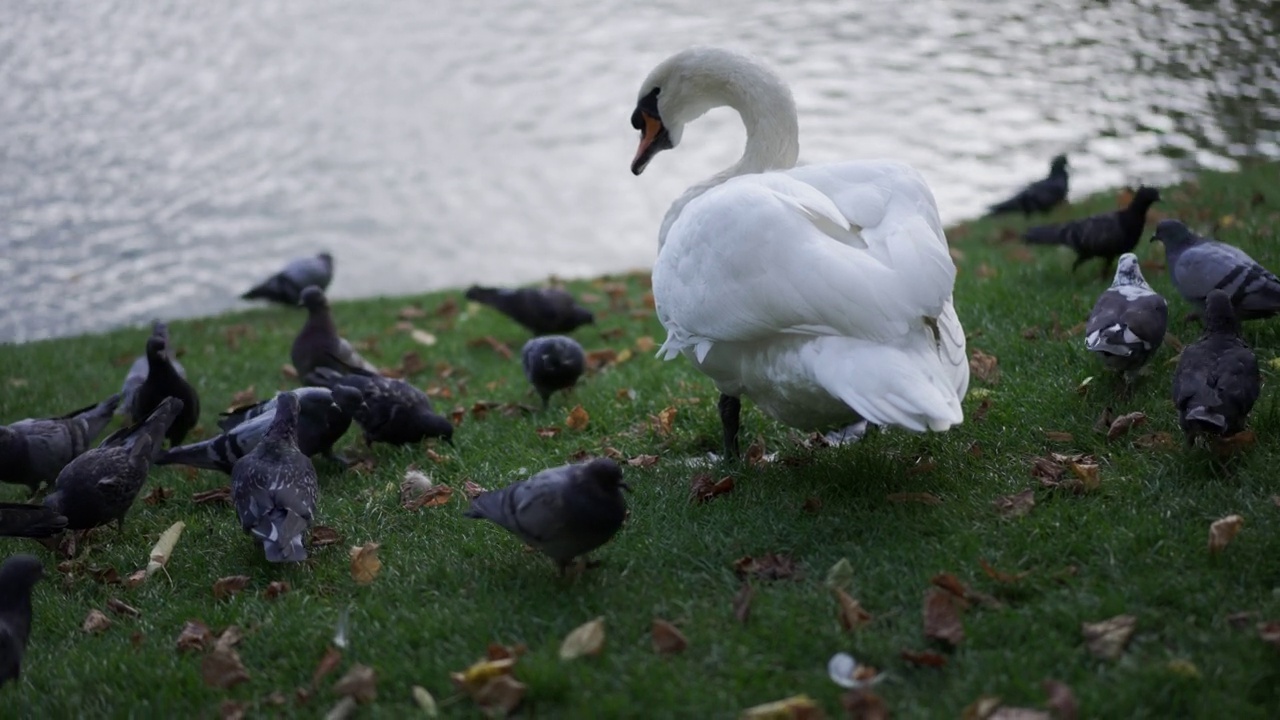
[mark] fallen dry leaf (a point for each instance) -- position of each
(941, 617)
(667, 638)
(422, 337)
(502, 694)
(840, 575)
(1269, 632)
(1016, 505)
(770, 566)
(425, 701)
(228, 586)
(985, 367)
(194, 636)
(640, 461)
(985, 271)
(493, 343)
(436, 496)
(1124, 423)
(360, 682)
(95, 622)
(1227, 446)
(923, 498)
(1155, 441)
(411, 312)
(216, 495)
(951, 584)
(705, 487)
(597, 359)
(577, 419)
(344, 709)
(924, 658)
(481, 673)
(1223, 531)
(1017, 713)
(1001, 577)
(275, 589)
(105, 575)
(1061, 701)
(981, 709)
(666, 419)
(289, 371)
(322, 535)
(365, 564)
(850, 612)
(742, 603)
(1088, 475)
(1058, 436)
(586, 639)
(798, 707)
(158, 495)
(980, 412)
(328, 663)
(120, 608)
(862, 704)
(473, 489)
(222, 667)
(1107, 638)
(547, 432)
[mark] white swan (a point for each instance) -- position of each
(823, 292)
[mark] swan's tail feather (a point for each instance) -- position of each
(907, 387)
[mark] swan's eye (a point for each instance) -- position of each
(648, 105)
(637, 120)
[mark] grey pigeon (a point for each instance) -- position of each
(286, 286)
(18, 576)
(1040, 196)
(393, 411)
(101, 485)
(318, 342)
(1199, 265)
(138, 370)
(274, 487)
(34, 451)
(163, 381)
(1217, 379)
(1128, 321)
(552, 363)
(1107, 235)
(323, 418)
(564, 511)
(543, 311)
(30, 521)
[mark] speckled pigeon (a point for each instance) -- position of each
(393, 411)
(1128, 321)
(274, 488)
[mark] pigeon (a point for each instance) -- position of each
(163, 381)
(18, 575)
(34, 451)
(393, 411)
(101, 485)
(1128, 321)
(323, 418)
(541, 311)
(1199, 265)
(1040, 196)
(138, 370)
(286, 286)
(29, 521)
(1217, 379)
(318, 343)
(274, 487)
(1105, 236)
(564, 511)
(551, 363)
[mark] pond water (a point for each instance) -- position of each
(157, 158)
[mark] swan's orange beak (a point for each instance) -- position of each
(653, 139)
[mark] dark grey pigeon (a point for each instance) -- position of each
(318, 342)
(1199, 265)
(101, 485)
(393, 411)
(34, 451)
(274, 488)
(1128, 321)
(323, 418)
(18, 576)
(564, 511)
(163, 382)
(286, 286)
(30, 521)
(552, 363)
(1040, 196)
(138, 370)
(543, 311)
(1107, 236)
(1217, 379)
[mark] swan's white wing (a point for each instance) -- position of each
(772, 253)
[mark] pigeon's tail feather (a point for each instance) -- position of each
(281, 532)
(1044, 235)
(324, 377)
(32, 521)
(1207, 419)
(269, 289)
(1013, 204)
(197, 455)
(481, 294)
(1114, 340)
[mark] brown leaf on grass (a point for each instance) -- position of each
(613, 333)
(862, 704)
(586, 639)
(411, 312)
(598, 359)
(289, 371)
(365, 564)
(275, 589)
(981, 709)
(1241, 620)
(481, 673)
(222, 667)
(577, 419)
(1223, 531)
(106, 575)
(1058, 436)
(952, 584)
(985, 367)
(493, 343)
(1124, 423)
(980, 412)
(243, 399)
(742, 602)
(447, 308)
(923, 498)
(1001, 577)
(498, 651)
(811, 505)
(120, 608)
(1061, 701)
(1230, 445)
(231, 710)
(642, 461)
(503, 694)
(95, 622)
(849, 611)
(667, 638)
(665, 420)
(216, 495)
(985, 271)
(645, 344)
(473, 490)
(232, 334)
(195, 635)
(158, 495)
(322, 535)
(434, 456)
(1031, 333)
(481, 408)
(770, 566)
(1016, 505)
(705, 487)
(411, 363)
(924, 658)
(1107, 638)
(1275, 500)
(1017, 713)
(1088, 475)
(1269, 632)
(228, 586)
(328, 663)
(547, 432)
(1155, 441)
(798, 707)
(942, 617)
(360, 682)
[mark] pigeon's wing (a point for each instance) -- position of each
(1211, 265)
(1044, 194)
(1238, 383)
(1094, 235)
(232, 418)
(348, 355)
(1194, 374)
(1148, 318)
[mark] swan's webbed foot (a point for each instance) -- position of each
(730, 418)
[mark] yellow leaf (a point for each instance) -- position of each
(422, 336)
(586, 639)
(792, 708)
(578, 418)
(365, 564)
(425, 701)
(1223, 531)
(1227, 221)
(624, 356)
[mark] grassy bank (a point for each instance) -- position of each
(1135, 544)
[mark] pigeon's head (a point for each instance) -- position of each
(327, 259)
(1058, 165)
(434, 425)
(581, 316)
(312, 298)
(606, 473)
(1145, 196)
(1174, 234)
(1129, 271)
(161, 329)
(285, 423)
(347, 398)
(156, 345)
(1220, 314)
(20, 573)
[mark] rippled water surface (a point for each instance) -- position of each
(157, 157)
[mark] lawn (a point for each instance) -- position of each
(900, 508)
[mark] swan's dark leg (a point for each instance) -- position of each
(730, 417)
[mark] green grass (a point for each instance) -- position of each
(449, 586)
